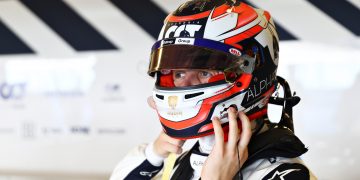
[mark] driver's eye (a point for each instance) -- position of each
(204, 74)
(179, 74)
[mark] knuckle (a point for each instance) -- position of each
(176, 150)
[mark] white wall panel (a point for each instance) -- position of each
(305, 21)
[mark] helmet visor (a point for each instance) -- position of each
(181, 56)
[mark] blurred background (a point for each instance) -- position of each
(73, 83)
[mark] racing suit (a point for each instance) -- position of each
(273, 154)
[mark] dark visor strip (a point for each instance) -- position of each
(205, 43)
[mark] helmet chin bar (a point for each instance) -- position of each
(287, 102)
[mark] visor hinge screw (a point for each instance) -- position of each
(238, 84)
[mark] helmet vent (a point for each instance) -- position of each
(160, 96)
(188, 96)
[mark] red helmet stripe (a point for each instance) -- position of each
(246, 15)
(217, 77)
(220, 10)
(172, 18)
(244, 35)
(258, 114)
(267, 15)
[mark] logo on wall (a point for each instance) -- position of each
(52, 130)
(80, 130)
(113, 92)
(29, 130)
(12, 91)
(7, 131)
(111, 131)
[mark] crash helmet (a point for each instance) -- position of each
(231, 37)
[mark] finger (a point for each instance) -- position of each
(176, 142)
(243, 156)
(246, 131)
(219, 133)
(151, 102)
(172, 148)
(233, 127)
(171, 140)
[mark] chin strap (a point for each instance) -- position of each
(287, 102)
(169, 165)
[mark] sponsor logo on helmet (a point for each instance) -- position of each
(184, 41)
(172, 101)
(260, 104)
(235, 52)
(185, 30)
(260, 87)
(176, 113)
(168, 41)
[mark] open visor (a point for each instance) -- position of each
(191, 53)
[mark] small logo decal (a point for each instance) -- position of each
(168, 41)
(280, 175)
(150, 174)
(188, 41)
(172, 101)
(235, 52)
